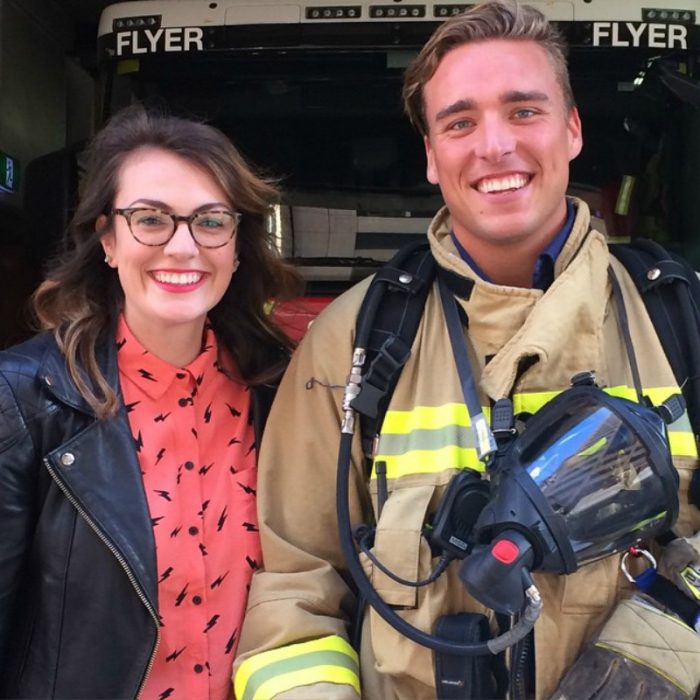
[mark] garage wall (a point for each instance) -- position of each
(45, 105)
(34, 37)
(45, 98)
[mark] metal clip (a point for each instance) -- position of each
(636, 552)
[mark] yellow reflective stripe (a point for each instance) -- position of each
(682, 444)
(326, 660)
(429, 461)
(657, 394)
(531, 403)
(450, 435)
(430, 439)
(317, 674)
(681, 439)
(426, 418)
(427, 439)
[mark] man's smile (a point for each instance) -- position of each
(513, 181)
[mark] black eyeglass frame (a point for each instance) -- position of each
(128, 212)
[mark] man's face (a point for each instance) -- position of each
(499, 142)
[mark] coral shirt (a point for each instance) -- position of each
(196, 450)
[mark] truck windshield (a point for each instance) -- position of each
(319, 120)
(327, 120)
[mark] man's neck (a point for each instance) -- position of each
(509, 265)
(512, 263)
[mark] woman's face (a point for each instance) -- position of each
(168, 289)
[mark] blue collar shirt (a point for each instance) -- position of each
(543, 274)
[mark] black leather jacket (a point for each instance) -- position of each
(78, 584)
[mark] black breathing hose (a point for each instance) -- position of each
(492, 646)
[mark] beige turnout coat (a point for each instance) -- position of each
(293, 640)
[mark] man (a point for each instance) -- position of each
(490, 94)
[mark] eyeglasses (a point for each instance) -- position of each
(153, 227)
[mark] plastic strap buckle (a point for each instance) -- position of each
(391, 357)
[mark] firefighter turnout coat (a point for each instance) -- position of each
(294, 643)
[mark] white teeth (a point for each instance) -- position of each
(178, 277)
(512, 182)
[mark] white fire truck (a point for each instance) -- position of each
(310, 90)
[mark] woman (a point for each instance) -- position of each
(127, 444)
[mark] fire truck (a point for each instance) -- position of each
(310, 91)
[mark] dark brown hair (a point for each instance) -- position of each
(494, 19)
(81, 297)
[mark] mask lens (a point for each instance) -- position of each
(599, 476)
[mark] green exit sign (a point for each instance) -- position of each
(9, 173)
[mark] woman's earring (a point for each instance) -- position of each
(236, 263)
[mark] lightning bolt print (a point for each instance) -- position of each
(218, 581)
(166, 693)
(131, 406)
(211, 623)
(222, 520)
(231, 641)
(175, 654)
(248, 489)
(182, 434)
(181, 596)
(121, 343)
(147, 375)
(233, 411)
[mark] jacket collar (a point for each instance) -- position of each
(56, 378)
(99, 467)
(519, 331)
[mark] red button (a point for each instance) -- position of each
(505, 551)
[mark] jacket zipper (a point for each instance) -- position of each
(121, 561)
(520, 659)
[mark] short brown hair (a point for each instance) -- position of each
(81, 297)
(493, 19)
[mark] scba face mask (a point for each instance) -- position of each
(590, 475)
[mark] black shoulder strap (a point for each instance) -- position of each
(387, 322)
(670, 289)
